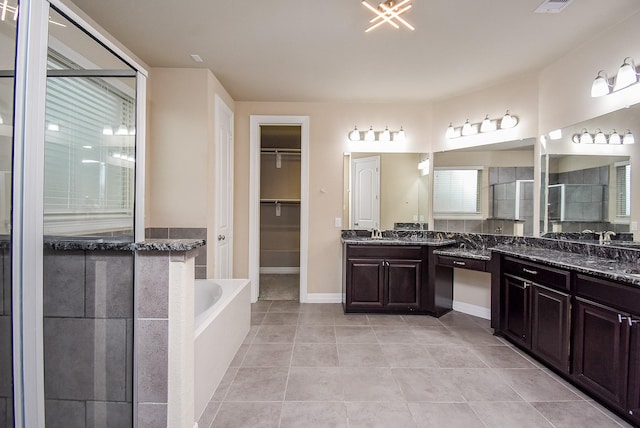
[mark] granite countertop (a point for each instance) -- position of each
(612, 269)
(465, 253)
(121, 244)
(430, 242)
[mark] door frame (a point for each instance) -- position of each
(254, 198)
(222, 112)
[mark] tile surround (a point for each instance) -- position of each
(184, 233)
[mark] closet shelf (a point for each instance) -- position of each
(279, 201)
(281, 151)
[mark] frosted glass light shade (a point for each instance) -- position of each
(370, 135)
(614, 138)
(400, 135)
(451, 132)
(354, 135)
(467, 129)
(385, 135)
(600, 137)
(487, 125)
(626, 74)
(628, 138)
(600, 85)
(508, 121)
(585, 137)
(107, 130)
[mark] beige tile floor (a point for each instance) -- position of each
(306, 365)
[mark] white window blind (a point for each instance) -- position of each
(623, 190)
(456, 191)
(89, 176)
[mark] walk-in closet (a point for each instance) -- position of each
(280, 148)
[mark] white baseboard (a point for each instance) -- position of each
(280, 270)
(475, 310)
(324, 298)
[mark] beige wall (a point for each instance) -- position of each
(542, 100)
(181, 150)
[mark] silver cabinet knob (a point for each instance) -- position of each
(221, 237)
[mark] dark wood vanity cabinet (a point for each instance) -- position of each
(384, 278)
(606, 342)
(537, 316)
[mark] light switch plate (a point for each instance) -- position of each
(338, 222)
(634, 226)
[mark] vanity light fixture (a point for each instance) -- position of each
(122, 130)
(423, 166)
(613, 139)
(107, 130)
(451, 131)
(508, 121)
(600, 137)
(487, 125)
(384, 136)
(388, 12)
(355, 134)
(626, 76)
(555, 135)
(370, 135)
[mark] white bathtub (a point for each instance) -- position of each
(222, 321)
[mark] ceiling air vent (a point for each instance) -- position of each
(553, 6)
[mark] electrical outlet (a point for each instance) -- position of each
(415, 218)
(338, 222)
(634, 226)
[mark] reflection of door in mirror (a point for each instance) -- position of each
(365, 192)
(403, 191)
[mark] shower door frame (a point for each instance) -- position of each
(28, 192)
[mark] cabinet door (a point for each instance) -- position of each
(517, 315)
(404, 279)
(365, 283)
(601, 351)
(633, 403)
(550, 322)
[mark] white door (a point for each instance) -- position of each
(223, 241)
(366, 192)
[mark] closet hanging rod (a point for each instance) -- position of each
(281, 151)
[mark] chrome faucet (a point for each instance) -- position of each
(376, 233)
(607, 236)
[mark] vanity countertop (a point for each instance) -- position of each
(612, 269)
(430, 242)
(120, 244)
(465, 253)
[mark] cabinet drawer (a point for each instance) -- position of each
(544, 275)
(462, 263)
(623, 297)
(385, 251)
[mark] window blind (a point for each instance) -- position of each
(456, 191)
(623, 190)
(89, 176)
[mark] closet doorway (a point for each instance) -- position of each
(278, 216)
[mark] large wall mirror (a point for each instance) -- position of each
(486, 189)
(587, 176)
(386, 190)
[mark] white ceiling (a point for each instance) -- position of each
(286, 50)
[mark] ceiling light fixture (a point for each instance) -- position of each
(613, 139)
(487, 125)
(384, 136)
(626, 76)
(388, 12)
